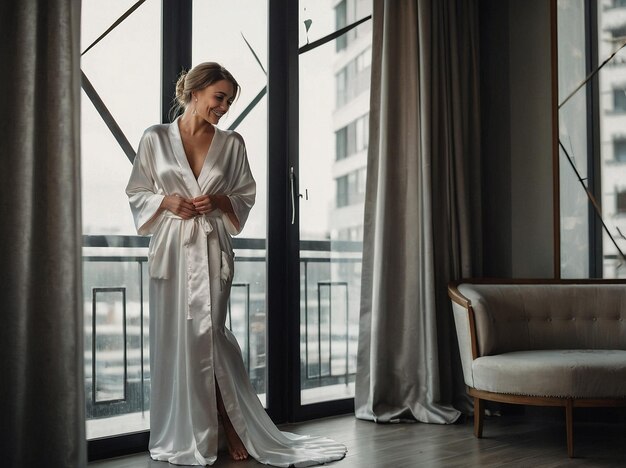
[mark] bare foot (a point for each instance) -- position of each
(235, 446)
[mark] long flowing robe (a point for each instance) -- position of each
(191, 268)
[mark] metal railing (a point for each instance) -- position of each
(117, 377)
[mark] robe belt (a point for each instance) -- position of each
(192, 226)
(195, 232)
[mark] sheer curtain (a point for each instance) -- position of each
(41, 337)
(422, 224)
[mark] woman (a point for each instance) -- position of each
(191, 189)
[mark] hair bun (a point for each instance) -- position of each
(180, 88)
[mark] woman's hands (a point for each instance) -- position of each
(205, 203)
(183, 207)
(188, 208)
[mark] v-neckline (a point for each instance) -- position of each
(194, 185)
(206, 155)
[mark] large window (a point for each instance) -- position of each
(128, 75)
(592, 137)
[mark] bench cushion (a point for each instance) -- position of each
(554, 373)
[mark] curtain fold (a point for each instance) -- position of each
(422, 223)
(41, 336)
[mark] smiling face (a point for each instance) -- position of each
(213, 101)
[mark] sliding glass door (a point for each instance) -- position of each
(304, 69)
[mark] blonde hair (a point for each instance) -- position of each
(199, 77)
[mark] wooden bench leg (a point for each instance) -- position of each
(569, 426)
(479, 412)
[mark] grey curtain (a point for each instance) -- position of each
(422, 208)
(41, 336)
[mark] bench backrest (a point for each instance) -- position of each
(517, 317)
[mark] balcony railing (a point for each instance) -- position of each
(116, 317)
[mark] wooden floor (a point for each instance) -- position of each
(510, 441)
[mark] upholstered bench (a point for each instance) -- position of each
(544, 342)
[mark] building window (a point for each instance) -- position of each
(363, 61)
(620, 206)
(351, 188)
(342, 191)
(616, 4)
(352, 138)
(619, 100)
(618, 33)
(341, 20)
(341, 80)
(347, 12)
(619, 150)
(352, 233)
(353, 181)
(362, 133)
(357, 73)
(363, 66)
(361, 179)
(351, 135)
(341, 143)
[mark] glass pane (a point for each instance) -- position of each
(321, 18)
(109, 344)
(124, 68)
(117, 399)
(573, 122)
(334, 113)
(224, 41)
(612, 79)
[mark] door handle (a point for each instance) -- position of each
(292, 187)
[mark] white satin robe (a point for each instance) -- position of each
(191, 269)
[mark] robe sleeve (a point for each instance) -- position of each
(243, 192)
(144, 197)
